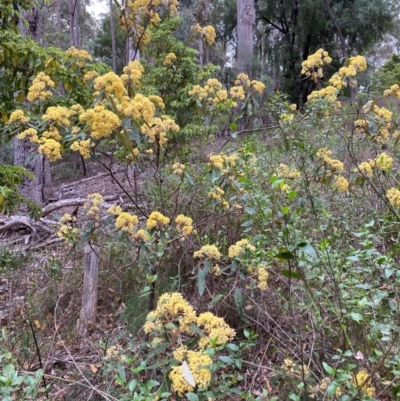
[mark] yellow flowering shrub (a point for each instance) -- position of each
(58, 115)
(208, 33)
(362, 381)
(393, 195)
(184, 224)
(101, 121)
(208, 251)
(93, 208)
(238, 248)
(18, 116)
(83, 147)
(325, 155)
(126, 222)
(40, 88)
(157, 220)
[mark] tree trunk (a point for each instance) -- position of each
(113, 44)
(59, 24)
(89, 295)
(26, 155)
(245, 34)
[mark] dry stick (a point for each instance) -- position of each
(121, 186)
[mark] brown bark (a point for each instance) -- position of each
(26, 155)
(245, 34)
(89, 296)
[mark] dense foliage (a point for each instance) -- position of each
(259, 241)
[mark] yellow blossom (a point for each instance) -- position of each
(238, 248)
(93, 208)
(215, 329)
(39, 88)
(132, 74)
(102, 122)
(169, 59)
(208, 251)
(362, 381)
(156, 219)
(18, 116)
(50, 148)
(30, 133)
(393, 195)
(184, 224)
(366, 168)
(83, 147)
(90, 76)
(111, 83)
(126, 222)
(262, 276)
(115, 210)
(383, 162)
(341, 184)
(58, 115)
(141, 235)
(178, 168)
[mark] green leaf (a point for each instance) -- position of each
(284, 254)
(357, 317)
(307, 249)
(225, 359)
(328, 369)
(192, 397)
(291, 274)
(294, 397)
(201, 281)
(215, 300)
(331, 389)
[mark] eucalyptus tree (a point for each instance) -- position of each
(295, 29)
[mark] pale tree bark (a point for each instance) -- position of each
(25, 153)
(245, 34)
(58, 11)
(113, 44)
(88, 312)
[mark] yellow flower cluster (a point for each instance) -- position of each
(215, 329)
(199, 364)
(362, 381)
(83, 147)
(67, 232)
(208, 251)
(219, 161)
(346, 75)
(383, 162)
(140, 107)
(158, 129)
(53, 133)
(341, 184)
(126, 222)
(217, 194)
(394, 90)
(312, 67)
(215, 270)
(243, 84)
(50, 148)
(90, 76)
(93, 208)
(284, 171)
(184, 224)
(39, 88)
(170, 307)
(393, 196)
(115, 210)
(29, 133)
(132, 74)
(325, 155)
(208, 33)
(238, 248)
(81, 55)
(57, 114)
(111, 83)
(178, 168)
(329, 93)
(262, 277)
(169, 59)
(18, 116)
(365, 168)
(212, 93)
(287, 118)
(173, 308)
(158, 220)
(102, 122)
(141, 235)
